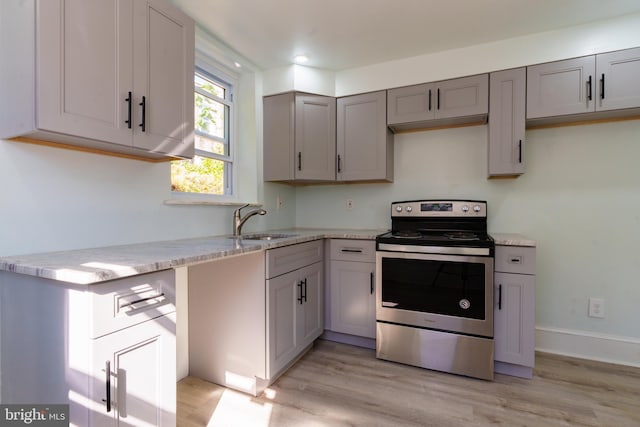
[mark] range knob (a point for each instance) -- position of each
(409, 209)
(398, 208)
(476, 208)
(465, 209)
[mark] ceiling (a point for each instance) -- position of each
(341, 34)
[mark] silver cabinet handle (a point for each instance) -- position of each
(351, 250)
(138, 301)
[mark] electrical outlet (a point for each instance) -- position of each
(349, 205)
(279, 203)
(596, 307)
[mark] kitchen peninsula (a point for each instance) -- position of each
(110, 320)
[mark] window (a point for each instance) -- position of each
(211, 169)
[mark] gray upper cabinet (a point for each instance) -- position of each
(618, 75)
(507, 122)
(364, 143)
(560, 88)
(111, 75)
(299, 137)
(602, 86)
(315, 142)
(278, 136)
(450, 102)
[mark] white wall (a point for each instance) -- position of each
(57, 199)
(578, 199)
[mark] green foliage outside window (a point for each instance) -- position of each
(203, 174)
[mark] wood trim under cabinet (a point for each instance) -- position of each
(582, 122)
(88, 150)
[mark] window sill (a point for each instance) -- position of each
(196, 202)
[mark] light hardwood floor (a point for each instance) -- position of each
(340, 385)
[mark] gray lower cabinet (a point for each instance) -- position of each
(295, 315)
(604, 83)
(252, 316)
(299, 137)
(363, 141)
(294, 291)
(507, 122)
(445, 103)
(108, 350)
(352, 287)
(514, 311)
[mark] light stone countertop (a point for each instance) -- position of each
(512, 239)
(90, 266)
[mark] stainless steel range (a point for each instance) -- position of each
(434, 287)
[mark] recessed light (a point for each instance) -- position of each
(237, 64)
(300, 59)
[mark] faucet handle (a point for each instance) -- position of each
(237, 211)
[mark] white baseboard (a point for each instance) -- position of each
(589, 345)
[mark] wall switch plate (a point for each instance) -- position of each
(596, 307)
(279, 203)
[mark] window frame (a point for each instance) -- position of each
(208, 69)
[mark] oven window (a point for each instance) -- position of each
(441, 287)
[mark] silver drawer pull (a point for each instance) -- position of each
(138, 301)
(351, 250)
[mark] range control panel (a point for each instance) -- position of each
(439, 208)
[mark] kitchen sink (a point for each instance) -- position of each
(264, 236)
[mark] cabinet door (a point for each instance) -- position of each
(507, 122)
(618, 75)
(560, 88)
(84, 69)
(310, 323)
(411, 104)
(468, 96)
(278, 137)
(353, 309)
(363, 140)
(315, 141)
(163, 71)
(142, 375)
(283, 295)
(514, 318)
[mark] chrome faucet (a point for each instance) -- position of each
(238, 221)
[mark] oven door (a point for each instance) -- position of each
(452, 293)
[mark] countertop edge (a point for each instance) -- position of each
(108, 263)
(512, 239)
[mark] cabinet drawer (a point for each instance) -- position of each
(289, 258)
(353, 250)
(516, 259)
(121, 303)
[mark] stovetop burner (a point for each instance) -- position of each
(462, 235)
(407, 234)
